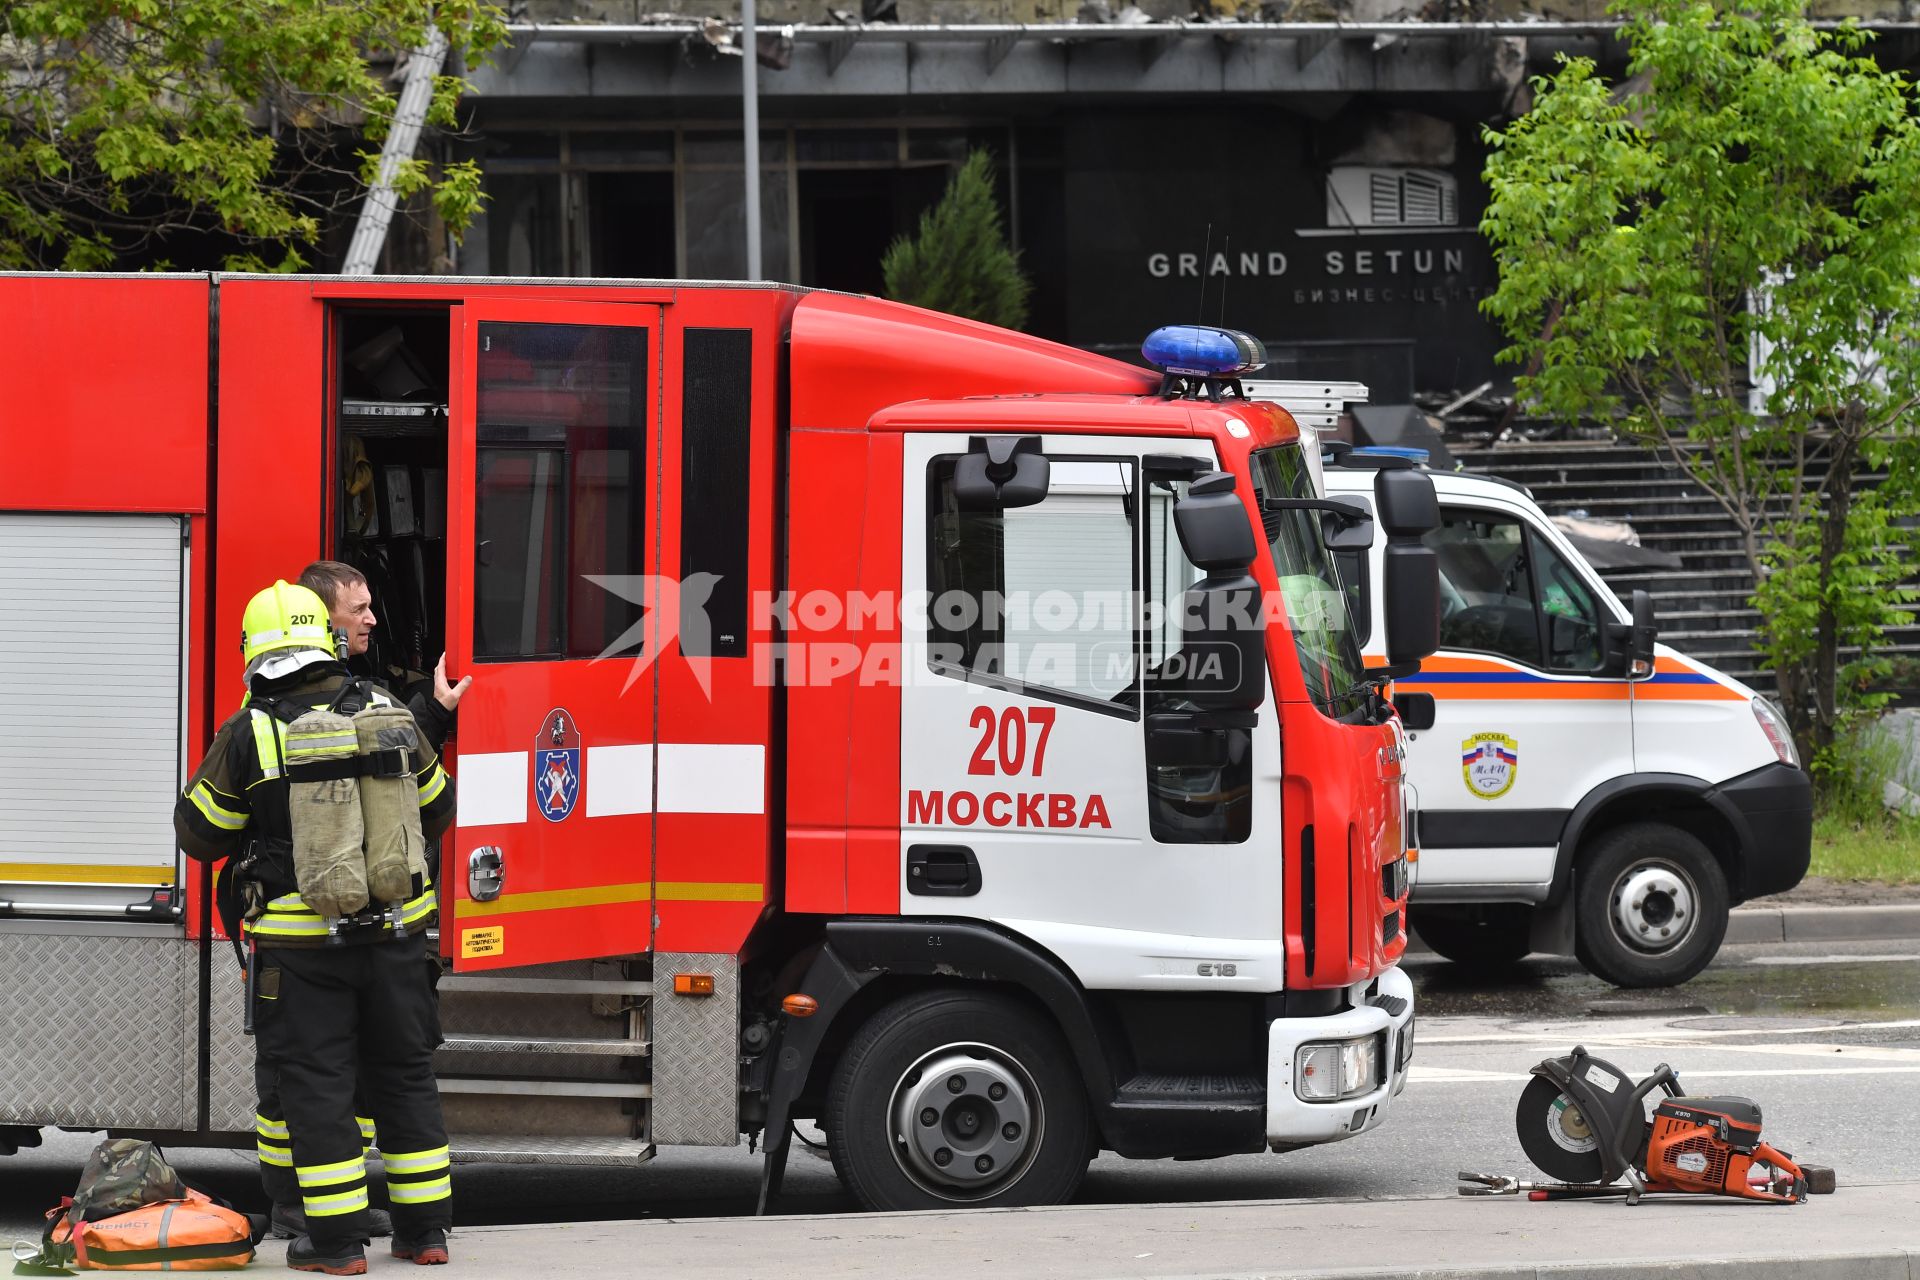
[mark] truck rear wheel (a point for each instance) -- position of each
(957, 1098)
(1650, 906)
(1485, 938)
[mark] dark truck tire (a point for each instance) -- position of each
(1650, 906)
(958, 1097)
(1486, 938)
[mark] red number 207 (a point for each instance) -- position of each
(1003, 739)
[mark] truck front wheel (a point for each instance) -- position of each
(957, 1098)
(1650, 906)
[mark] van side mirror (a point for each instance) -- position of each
(1629, 645)
(1000, 472)
(1408, 509)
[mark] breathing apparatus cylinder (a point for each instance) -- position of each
(328, 830)
(390, 802)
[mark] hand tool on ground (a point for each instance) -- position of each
(1583, 1121)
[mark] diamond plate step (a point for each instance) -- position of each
(487, 1148)
(547, 1088)
(536, 1045)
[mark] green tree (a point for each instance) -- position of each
(1754, 179)
(959, 261)
(132, 127)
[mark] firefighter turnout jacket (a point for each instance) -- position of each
(236, 802)
(335, 1024)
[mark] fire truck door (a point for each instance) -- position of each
(1026, 793)
(554, 431)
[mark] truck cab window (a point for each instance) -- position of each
(1038, 598)
(1505, 590)
(560, 429)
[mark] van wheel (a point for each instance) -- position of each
(1650, 906)
(1485, 938)
(955, 1098)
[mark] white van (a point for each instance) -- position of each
(1581, 789)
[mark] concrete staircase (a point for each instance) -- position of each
(1702, 607)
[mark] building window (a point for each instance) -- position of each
(560, 487)
(1369, 196)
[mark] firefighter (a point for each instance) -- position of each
(350, 605)
(339, 1005)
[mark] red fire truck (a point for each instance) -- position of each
(833, 750)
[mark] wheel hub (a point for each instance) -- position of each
(966, 1121)
(1654, 907)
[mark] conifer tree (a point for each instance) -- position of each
(959, 261)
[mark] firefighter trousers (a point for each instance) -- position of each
(338, 1022)
(270, 1136)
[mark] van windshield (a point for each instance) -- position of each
(1310, 586)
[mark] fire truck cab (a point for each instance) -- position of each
(867, 723)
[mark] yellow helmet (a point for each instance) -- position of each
(285, 616)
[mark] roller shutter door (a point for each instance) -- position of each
(90, 708)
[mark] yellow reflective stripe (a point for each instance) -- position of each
(269, 1128)
(322, 735)
(419, 908)
(419, 1192)
(330, 1206)
(366, 1126)
(270, 1154)
(98, 873)
(416, 1161)
(213, 811)
(268, 735)
(430, 791)
(288, 902)
(326, 1175)
(280, 926)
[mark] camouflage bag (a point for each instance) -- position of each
(123, 1174)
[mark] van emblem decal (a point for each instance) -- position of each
(1490, 762)
(556, 766)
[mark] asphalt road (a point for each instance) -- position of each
(1825, 1036)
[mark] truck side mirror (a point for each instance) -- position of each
(1629, 645)
(1000, 472)
(1222, 659)
(1407, 504)
(1212, 524)
(1408, 510)
(1348, 532)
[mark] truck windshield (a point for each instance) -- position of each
(1317, 611)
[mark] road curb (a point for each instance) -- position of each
(1824, 924)
(1879, 1264)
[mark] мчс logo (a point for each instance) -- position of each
(1490, 762)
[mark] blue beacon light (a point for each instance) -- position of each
(1202, 351)
(1198, 361)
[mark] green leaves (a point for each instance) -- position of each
(1751, 188)
(959, 261)
(132, 124)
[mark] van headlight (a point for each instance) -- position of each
(1335, 1070)
(1773, 723)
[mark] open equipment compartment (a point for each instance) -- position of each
(390, 507)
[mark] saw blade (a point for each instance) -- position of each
(1555, 1136)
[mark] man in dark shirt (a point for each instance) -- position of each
(349, 601)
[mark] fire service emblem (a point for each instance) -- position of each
(556, 766)
(1490, 762)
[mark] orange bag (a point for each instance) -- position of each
(188, 1234)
